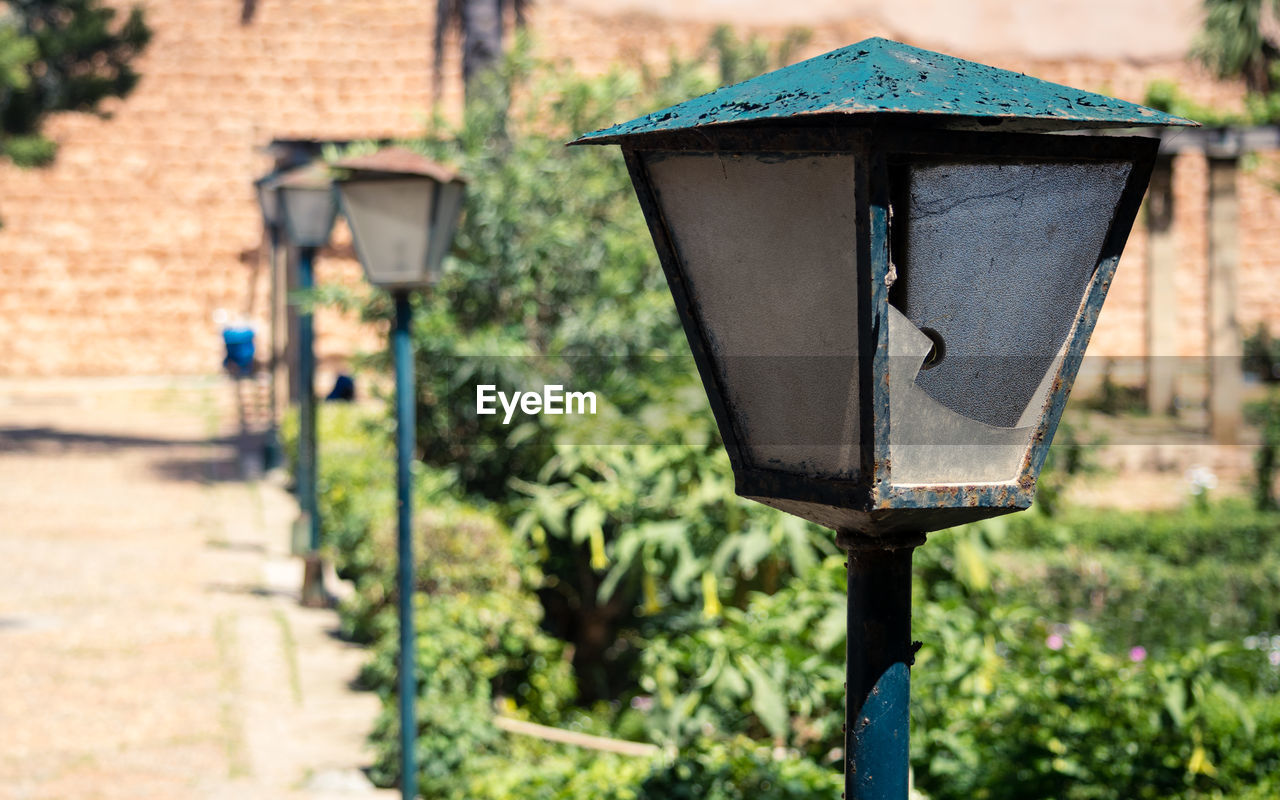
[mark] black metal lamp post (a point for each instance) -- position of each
(402, 209)
(269, 205)
(307, 211)
(888, 263)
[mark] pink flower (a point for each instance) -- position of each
(1055, 642)
(1275, 658)
(1138, 653)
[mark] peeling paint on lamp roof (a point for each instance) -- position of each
(882, 77)
(307, 176)
(399, 161)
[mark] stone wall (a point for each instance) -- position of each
(115, 259)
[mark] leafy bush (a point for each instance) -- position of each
(1231, 531)
(534, 770)
(663, 536)
(1262, 355)
(774, 669)
(738, 770)
(479, 637)
(553, 280)
(1266, 415)
(1015, 696)
(61, 55)
(474, 650)
(1008, 706)
(1161, 580)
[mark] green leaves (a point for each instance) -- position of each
(1235, 41)
(81, 57)
(738, 770)
(766, 698)
(1014, 696)
(774, 668)
(16, 54)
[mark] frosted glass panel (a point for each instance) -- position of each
(308, 215)
(443, 225)
(992, 263)
(768, 247)
(268, 200)
(390, 221)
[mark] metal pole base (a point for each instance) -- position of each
(878, 659)
(313, 593)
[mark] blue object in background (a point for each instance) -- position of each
(239, 345)
(344, 390)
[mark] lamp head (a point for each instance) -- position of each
(265, 188)
(888, 263)
(403, 209)
(306, 205)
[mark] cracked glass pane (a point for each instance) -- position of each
(992, 262)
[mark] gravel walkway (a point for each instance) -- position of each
(151, 644)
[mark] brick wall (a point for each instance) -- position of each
(114, 260)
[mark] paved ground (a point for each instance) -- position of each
(151, 645)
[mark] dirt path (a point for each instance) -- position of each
(151, 645)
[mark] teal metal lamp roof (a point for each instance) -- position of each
(882, 77)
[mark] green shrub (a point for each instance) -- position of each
(1164, 580)
(1137, 599)
(738, 770)
(1231, 531)
(637, 538)
(774, 669)
(1015, 697)
(473, 651)
(1266, 415)
(1008, 706)
(532, 770)
(479, 644)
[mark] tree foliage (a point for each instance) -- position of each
(1241, 38)
(61, 55)
(481, 25)
(553, 281)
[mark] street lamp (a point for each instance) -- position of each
(269, 204)
(307, 211)
(888, 263)
(402, 209)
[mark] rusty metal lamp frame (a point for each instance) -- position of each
(890, 107)
(873, 501)
(877, 522)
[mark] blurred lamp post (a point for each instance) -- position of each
(402, 209)
(888, 263)
(307, 211)
(269, 204)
